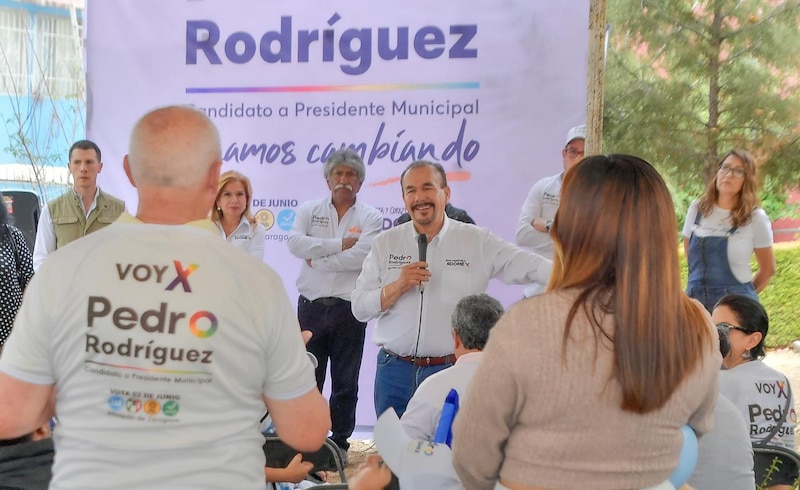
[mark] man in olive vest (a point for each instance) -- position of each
(80, 211)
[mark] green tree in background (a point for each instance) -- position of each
(687, 81)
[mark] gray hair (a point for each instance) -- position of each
(473, 317)
(348, 158)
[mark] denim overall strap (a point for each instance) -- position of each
(710, 274)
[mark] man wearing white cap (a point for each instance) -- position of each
(533, 227)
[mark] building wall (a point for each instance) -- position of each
(41, 80)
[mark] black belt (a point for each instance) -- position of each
(329, 301)
(424, 361)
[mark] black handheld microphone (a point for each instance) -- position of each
(422, 244)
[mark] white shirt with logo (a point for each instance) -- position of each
(317, 235)
(161, 341)
(542, 202)
(248, 237)
(462, 258)
(760, 393)
(421, 418)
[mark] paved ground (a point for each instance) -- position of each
(784, 360)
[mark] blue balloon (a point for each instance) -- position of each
(688, 459)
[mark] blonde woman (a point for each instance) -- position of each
(723, 229)
(232, 215)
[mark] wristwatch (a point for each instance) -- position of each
(548, 224)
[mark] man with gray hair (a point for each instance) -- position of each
(472, 319)
(332, 236)
(162, 353)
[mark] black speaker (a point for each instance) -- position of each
(23, 206)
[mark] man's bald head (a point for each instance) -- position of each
(174, 146)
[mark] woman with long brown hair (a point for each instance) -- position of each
(589, 385)
(723, 229)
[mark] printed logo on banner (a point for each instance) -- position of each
(265, 218)
(286, 219)
(205, 39)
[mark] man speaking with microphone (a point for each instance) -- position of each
(415, 274)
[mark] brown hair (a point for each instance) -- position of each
(615, 240)
(225, 179)
(748, 196)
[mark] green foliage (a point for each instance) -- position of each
(774, 466)
(687, 81)
(780, 296)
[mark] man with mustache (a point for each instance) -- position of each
(413, 299)
(332, 236)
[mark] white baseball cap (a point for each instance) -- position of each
(419, 465)
(575, 133)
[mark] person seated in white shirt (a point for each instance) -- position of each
(472, 318)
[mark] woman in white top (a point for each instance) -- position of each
(231, 214)
(723, 229)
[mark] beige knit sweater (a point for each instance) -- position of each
(533, 419)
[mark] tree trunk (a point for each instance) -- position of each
(595, 85)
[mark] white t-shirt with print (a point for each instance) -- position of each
(161, 341)
(760, 394)
(755, 234)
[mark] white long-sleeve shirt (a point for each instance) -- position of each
(45, 243)
(317, 235)
(249, 238)
(421, 418)
(462, 258)
(542, 202)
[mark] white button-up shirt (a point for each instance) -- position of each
(45, 243)
(317, 235)
(246, 236)
(425, 408)
(462, 258)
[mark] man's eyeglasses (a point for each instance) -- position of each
(733, 327)
(573, 153)
(738, 172)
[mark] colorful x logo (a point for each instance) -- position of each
(182, 277)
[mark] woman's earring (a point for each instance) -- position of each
(747, 355)
(219, 209)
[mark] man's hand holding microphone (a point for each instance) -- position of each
(414, 274)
